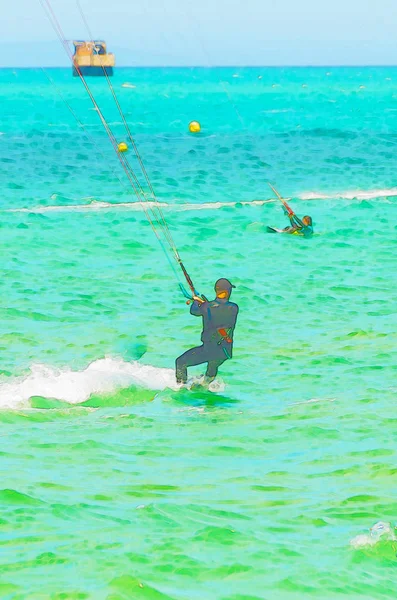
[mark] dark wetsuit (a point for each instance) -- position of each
(215, 349)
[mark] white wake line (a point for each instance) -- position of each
(137, 206)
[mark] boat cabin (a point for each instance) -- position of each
(92, 58)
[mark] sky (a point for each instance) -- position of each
(206, 32)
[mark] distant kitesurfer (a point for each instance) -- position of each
(297, 226)
(303, 227)
(219, 320)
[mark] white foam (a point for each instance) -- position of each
(136, 206)
(313, 401)
(97, 205)
(105, 375)
(380, 531)
(199, 381)
(351, 195)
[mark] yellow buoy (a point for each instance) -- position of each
(194, 127)
(122, 147)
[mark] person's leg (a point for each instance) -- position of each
(194, 356)
(212, 369)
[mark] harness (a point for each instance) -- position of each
(225, 335)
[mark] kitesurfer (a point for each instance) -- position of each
(219, 320)
(303, 227)
(297, 226)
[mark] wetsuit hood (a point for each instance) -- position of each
(223, 285)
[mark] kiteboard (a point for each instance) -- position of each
(274, 230)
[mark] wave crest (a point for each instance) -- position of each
(98, 205)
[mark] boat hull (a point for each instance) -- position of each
(93, 71)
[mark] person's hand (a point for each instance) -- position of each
(198, 299)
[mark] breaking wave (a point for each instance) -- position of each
(102, 376)
(351, 195)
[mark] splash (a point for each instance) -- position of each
(199, 382)
(381, 531)
(101, 376)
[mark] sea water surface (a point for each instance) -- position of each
(114, 484)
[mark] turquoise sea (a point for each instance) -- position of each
(115, 485)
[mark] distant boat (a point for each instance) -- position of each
(92, 58)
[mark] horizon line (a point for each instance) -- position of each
(286, 66)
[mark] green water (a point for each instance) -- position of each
(116, 486)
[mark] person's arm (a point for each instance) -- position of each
(235, 315)
(291, 217)
(297, 221)
(196, 307)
